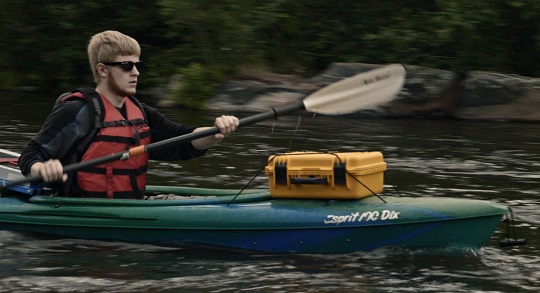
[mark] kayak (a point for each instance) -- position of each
(255, 221)
(251, 219)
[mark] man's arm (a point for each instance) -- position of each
(66, 124)
(225, 124)
(163, 128)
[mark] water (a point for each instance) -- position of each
(482, 160)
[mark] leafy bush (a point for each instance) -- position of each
(195, 84)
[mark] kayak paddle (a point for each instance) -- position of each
(359, 92)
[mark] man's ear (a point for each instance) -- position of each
(102, 70)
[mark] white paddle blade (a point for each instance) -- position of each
(363, 91)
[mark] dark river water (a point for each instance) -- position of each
(493, 161)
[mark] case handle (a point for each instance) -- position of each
(309, 180)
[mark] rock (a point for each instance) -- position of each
(253, 96)
(260, 95)
(495, 96)
(428, 92)
(277, 90)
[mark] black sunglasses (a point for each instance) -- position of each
(128, 65)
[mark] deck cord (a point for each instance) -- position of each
(392, 184)
(246, 185)
(356, 179)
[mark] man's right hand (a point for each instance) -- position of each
(49, 171)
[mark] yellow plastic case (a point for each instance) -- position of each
(351, 175)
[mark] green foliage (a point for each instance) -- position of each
(195, 84)
(43, 43)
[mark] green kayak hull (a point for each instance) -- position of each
(255, 221)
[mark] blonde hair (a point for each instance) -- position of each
(107, 45)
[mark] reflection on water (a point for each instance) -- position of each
(482, 160)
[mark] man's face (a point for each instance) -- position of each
(122, 80)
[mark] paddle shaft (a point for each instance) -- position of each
(214, 130)
(160, 145)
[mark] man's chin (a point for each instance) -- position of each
(130, 92)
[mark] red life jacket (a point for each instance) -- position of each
(116, 133)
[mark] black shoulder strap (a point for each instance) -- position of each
(95, 103)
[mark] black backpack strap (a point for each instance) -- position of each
(95, 102)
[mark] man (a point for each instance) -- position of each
(67, 135)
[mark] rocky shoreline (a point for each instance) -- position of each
(428, 93)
